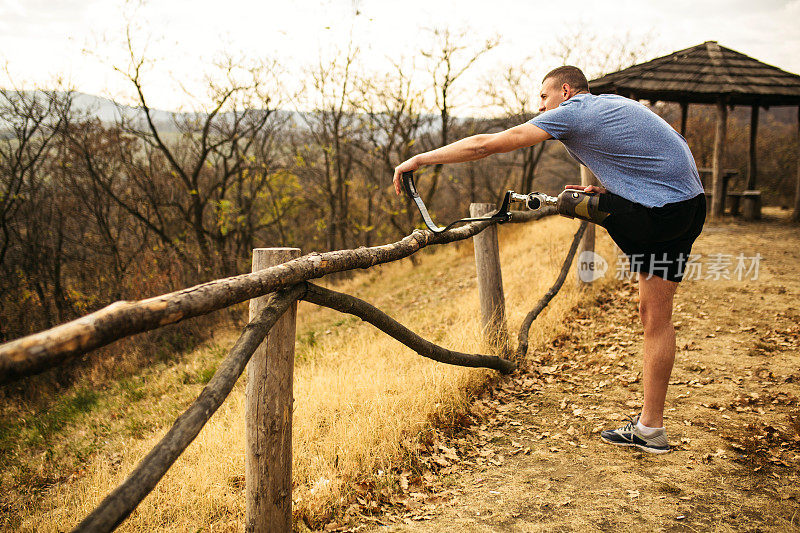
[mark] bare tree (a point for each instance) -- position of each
(187, 182)
(392, 106)
(325, 148)
(29, 120)
(31, 239)
(449, 58)
(514, 93)
(112, 239)
(597, 55)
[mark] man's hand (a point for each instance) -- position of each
(586, 188)
(409, 165)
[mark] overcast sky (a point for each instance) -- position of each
(82, 39)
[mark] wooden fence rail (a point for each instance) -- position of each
(38, 352)
(123, 500)
(522, 336)
(351, 305)
(286, 283)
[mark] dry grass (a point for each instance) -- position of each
(361, 397)
(731, 415)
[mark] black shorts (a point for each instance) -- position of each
(657, 240)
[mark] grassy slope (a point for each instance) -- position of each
(732, 414)
(362, 399)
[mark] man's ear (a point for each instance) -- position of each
(566, 89)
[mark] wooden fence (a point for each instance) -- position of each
(280, 278)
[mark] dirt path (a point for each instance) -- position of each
(533, 460)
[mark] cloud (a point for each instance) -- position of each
(40, 38)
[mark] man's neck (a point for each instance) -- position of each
(573, 95)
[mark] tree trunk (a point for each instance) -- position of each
(200, 235)
(532, 157)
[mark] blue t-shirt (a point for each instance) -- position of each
(633, 152)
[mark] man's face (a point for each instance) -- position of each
(552, 94)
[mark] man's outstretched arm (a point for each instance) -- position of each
(472, 148)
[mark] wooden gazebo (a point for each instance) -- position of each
(711, 74)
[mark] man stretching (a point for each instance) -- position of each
(652, 190)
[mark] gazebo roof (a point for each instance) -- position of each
(703, 74)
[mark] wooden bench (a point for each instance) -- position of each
(748, 202)
(734, 200)
(727, 175)
(751, 205)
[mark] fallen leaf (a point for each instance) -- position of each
(440, 460)
(404, 480)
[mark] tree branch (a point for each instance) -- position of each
(529, 216)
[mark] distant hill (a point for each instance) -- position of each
(110, 112)
(105, 109)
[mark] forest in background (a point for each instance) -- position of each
(94, 211)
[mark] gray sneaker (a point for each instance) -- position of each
(628, 435)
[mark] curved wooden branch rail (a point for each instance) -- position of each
(369, 313)
(522, 337)
(35, 353)
(123, 500)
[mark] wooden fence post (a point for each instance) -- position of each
(586, 270)
(268, 424)
(490, 281)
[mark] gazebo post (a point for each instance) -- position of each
(796, 211)
(717, 201)
(751, 166)
(684, 116)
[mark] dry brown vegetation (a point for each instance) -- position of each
(383, 436)
(531, 459)
(364, 402)
(93, 212)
